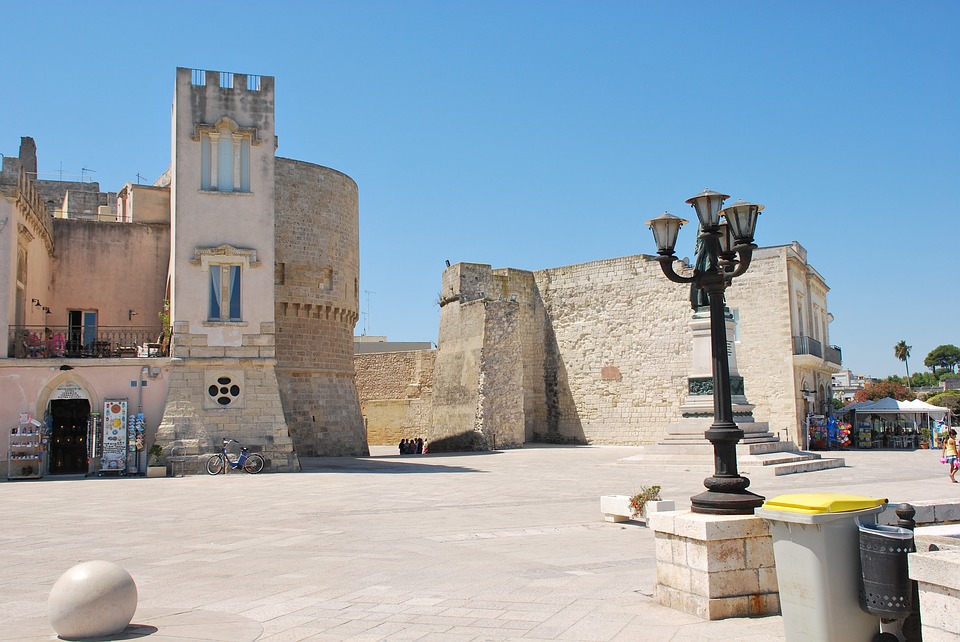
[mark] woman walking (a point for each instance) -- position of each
(950, 453)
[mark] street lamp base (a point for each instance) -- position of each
(719, 503)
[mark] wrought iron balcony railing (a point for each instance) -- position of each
(832, 354)
(807, 345)
(72, 342)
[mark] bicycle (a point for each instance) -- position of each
(252, 464)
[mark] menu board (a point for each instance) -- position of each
(114, 436)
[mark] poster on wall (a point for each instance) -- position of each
(114, 458)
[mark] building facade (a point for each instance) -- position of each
(219, 302)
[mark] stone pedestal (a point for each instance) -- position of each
(715, 566)
(938, 575)
(697, 407)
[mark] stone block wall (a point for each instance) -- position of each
(765, 351)
(395, 390)
(457, 377)
(317, 306)
(194, 422)
(617, 351)
(499, 415)
(604, 347)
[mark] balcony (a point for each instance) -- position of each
(832, 354)
(73, 342)
(807, 345)
(810, 353)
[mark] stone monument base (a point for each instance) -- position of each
(715, 566)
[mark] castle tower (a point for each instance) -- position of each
(224, 383)
(317, 307)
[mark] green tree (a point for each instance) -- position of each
(945, 356)
(902, 352)
(881, 389)
(923, 380)
(949, 399)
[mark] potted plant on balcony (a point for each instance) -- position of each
(155, 467)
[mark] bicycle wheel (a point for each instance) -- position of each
(215, 465)
(254, 464)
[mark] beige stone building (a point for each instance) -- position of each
(600, 353)
(253, 259)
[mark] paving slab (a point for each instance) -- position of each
(505, 545)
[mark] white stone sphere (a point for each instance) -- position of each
(92, 599)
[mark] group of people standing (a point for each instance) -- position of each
(413, 446)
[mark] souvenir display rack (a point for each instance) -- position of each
(25, 453)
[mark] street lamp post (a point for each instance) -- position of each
(726, 247)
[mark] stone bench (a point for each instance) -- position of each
(616, 508)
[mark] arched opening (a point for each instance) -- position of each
(69, 436)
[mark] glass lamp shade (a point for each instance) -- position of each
(665, 229)
(742, 218)
(707, 204)
(726, 238)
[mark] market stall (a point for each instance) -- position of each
(888, 423)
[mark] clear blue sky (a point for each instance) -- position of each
(542, 134)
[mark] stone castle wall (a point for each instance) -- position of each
(395, 390)
(317, 306)
(604, 349)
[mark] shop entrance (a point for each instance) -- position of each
(68, 440)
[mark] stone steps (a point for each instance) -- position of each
(770, 457)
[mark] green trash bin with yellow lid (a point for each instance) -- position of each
(816, 547)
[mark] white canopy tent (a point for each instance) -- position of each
(918, 412)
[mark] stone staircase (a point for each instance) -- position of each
(756, 457)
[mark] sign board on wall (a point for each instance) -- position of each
(68, 390)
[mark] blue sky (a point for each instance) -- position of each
(541, 134)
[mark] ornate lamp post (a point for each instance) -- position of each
(726, 247)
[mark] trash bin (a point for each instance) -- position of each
(887, 591)
(816, 547)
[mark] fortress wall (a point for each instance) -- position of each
(395, 390)
(317, 281)
(617, 351)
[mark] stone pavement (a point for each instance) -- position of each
(487, 546)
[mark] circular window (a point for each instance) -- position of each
(225, 393)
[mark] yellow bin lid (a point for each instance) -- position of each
(818, 503)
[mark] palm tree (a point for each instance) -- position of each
(902, 351)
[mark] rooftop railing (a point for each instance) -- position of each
(75, 342)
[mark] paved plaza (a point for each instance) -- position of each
(487, 546)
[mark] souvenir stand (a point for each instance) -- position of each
(25, 458)
(818, 437)
(888, 423)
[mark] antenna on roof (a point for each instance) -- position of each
(84, 169)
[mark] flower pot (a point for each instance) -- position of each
(156, 471)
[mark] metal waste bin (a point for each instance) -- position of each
(887, 591)
(816, 547)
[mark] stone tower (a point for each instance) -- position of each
(224, 383)
(317, 307)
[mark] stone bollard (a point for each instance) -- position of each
(92, 599)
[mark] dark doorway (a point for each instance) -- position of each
(68, 441)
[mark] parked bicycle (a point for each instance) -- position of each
(217, 464)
